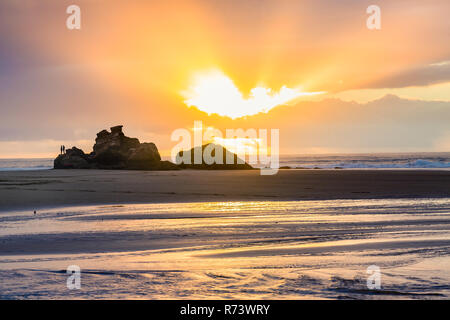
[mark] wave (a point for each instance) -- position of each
(337, 161)
(25, 164)
(419, 163)
(368, 161)
(26, 168)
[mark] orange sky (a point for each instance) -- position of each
(132, 60)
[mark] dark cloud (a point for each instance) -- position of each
(421, 76)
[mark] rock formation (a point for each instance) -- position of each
(114, 150)
(73, 159)
(208, 152)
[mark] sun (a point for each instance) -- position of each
(214, 92)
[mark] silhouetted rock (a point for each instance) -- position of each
(114, 150)
(167, 165)
(229, 160)
(73, 159)
(146, 155)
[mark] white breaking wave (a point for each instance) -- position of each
(369, 161)
(419, 163)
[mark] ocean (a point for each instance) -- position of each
(435, 160)
(25, 164)
(424, 160)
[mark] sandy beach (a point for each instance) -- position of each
(230, 250)
(33, 190)
(301, 234)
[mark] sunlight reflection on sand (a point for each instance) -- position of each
(293, 249)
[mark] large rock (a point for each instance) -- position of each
(114, 150)
(114, 141)
(145, 156)
(208, 153)
(73, 159)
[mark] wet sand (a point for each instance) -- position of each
(34, 190)
(234, 250)
(225, 234)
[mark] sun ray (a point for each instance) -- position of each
(215, 93)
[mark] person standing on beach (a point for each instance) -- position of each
(64, 149)
(60, 149)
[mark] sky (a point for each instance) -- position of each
(311, 69)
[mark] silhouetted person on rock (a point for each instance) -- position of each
(64, 149)
(60, 150)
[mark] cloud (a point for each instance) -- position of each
(436, 92)
(438, 72)
(214, 92)
(390, 124)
